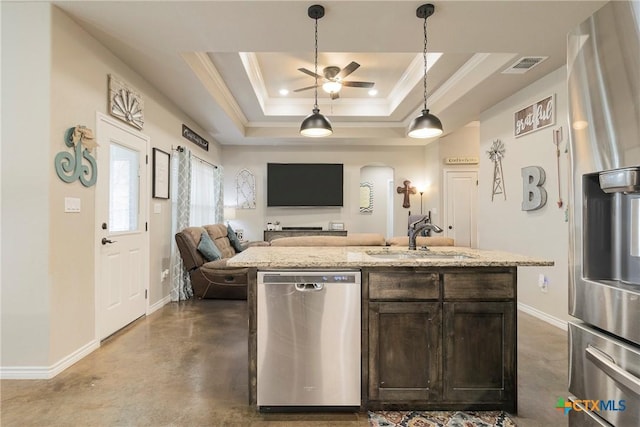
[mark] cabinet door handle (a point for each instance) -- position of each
(309, 287)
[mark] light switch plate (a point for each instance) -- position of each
(157, 208)
(71, 204)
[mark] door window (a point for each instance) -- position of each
(124, 200)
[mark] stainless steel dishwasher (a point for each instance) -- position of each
(308, 340)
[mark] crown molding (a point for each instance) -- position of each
(348, 107)
(474, 72)
(210, 77)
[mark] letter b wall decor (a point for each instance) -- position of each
(534, 196)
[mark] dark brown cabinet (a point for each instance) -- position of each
(440, 338)
(479, 353)
(404, 351)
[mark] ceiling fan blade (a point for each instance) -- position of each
(311, 73)
(305, 88)
(358, 84)
(335, 95)
(348, 70)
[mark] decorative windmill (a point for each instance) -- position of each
(496, 153)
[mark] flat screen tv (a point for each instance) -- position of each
(304, 184)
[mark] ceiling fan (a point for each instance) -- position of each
(334, 79)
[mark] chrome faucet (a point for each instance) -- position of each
(417, 226)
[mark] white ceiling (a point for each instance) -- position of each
(224, 62)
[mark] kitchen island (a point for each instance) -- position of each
(438, 327)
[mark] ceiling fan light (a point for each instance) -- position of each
(316, 125)
(425, 125)
(332, 87)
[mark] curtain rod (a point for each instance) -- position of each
(181, 149)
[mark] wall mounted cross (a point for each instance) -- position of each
(407, 190)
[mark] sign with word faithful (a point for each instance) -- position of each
(194, 137)
(461, 160)
(534, 117)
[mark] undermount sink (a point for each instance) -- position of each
(415, 255)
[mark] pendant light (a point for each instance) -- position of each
(425, 125)
(315, 124)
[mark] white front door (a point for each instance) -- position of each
(460, 200)
(121, 220)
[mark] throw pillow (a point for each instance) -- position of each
(208, 249)
(233, 239)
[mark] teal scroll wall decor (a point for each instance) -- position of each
(69, 165)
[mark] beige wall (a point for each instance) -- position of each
(502, 224)
(407, 163)
(421, 165)
(26, 172)
(465, 142)
(55, 76)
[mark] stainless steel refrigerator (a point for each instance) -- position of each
(603, 59)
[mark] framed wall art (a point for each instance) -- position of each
(246, 189)
(161, 162)
(535, 116)
(366, 197)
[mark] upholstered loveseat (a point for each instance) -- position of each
(212, 278)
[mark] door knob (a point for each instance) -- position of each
(105, 241)
(451, 227)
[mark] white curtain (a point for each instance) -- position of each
(203, 193)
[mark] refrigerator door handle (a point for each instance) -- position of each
(608, 365)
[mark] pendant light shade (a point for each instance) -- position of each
(425, 125)
(316, 125)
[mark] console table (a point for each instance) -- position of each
(270, 235)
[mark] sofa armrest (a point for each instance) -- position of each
(246, 245)
(188, 248)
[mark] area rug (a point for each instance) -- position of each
(439, 419)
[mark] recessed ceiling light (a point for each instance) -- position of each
(284, 92)
(373, 92)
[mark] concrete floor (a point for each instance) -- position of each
(186, 365)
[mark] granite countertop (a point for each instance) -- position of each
(377, 256)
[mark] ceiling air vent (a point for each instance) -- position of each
(524, 64)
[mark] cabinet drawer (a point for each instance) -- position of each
(498, 285)
(403, 286)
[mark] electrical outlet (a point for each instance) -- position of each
(164, 275)
(543, 283)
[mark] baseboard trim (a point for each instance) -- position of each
(552, 320)
(158, 305)
(44, 372)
